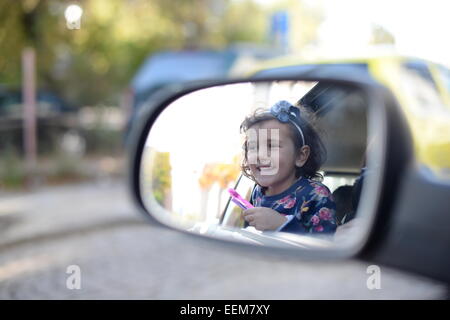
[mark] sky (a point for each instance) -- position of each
(420, 27)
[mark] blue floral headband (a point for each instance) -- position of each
(286, 112)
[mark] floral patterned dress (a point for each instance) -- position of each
(308, 201)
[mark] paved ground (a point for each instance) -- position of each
(95, 227)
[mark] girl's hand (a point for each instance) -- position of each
(263, 218)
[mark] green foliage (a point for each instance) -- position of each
(93, 64)
(103, 141)
(161, 176)
(12, 170)
(61, 168)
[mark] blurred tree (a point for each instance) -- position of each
(225, 174)
(162, 179)
(244, 21)
(221, 173)
(18, 28)
(90, 66)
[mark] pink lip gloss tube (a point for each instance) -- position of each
(237, 199)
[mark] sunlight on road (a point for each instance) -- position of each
(26, 265)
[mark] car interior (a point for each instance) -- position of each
(341, 119)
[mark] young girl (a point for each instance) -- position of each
(288, 196)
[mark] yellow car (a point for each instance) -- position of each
(421, 87)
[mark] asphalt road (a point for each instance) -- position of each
(120, 256)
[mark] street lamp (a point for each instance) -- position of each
(73, 15)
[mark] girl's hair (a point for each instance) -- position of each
(317, 154)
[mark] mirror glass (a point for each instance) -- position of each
(301, 154)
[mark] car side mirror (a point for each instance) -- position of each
(188, 150)
(192, 150)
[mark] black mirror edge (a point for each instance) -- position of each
(150, 112)
(392, 242)
(399, 152)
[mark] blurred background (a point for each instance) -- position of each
(74, 73)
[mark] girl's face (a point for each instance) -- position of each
(274, 166)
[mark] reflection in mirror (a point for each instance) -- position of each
(296, 150)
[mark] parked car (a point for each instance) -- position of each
(55, 118)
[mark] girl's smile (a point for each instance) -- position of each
(274, 170)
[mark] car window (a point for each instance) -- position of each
(296, 69)
(421, 69)
(334, 181)
(418, 82)
(444, 75)
(10, 104)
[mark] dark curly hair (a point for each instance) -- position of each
(306, 122)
